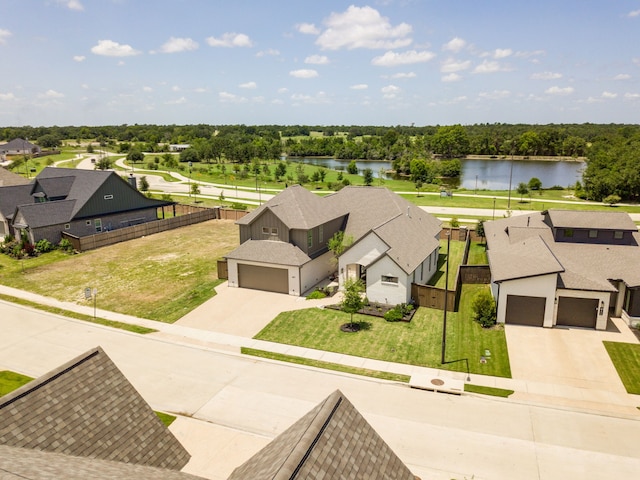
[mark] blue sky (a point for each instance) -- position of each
(322, 62)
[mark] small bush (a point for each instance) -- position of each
(65, 245)
(44, 246)
(484, 309)
(316, 295)
(611, 200)
(393, 315)
(238, 206)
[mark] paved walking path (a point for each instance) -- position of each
(535, 393)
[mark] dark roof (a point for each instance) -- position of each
(18, 144)
(8, 178)
(23, 463)
(331, 441)
(12, 196)
(591, 220)
(87, 408)
(36, 215)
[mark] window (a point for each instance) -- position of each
(568, 232)
(265, 230)
(98, 224)
(618, 234)
(108, 197)
(269, 231)
(274, 231)
(67, 226)
(593, 233)
(310, 238)
(389, 279)
(320, 233)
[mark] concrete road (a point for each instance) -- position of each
(241, 403)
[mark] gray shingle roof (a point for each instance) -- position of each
(87, 408)
(12, 196)
(528, 258)
(591, 219)
(22, 463)
(269, 251)
(331, 441)
(8, 178)
(37, 215)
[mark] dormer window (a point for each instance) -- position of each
(568, 232)
(593, 233)
(618, 234)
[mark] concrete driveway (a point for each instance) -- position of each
(244, 312)
(566, 357)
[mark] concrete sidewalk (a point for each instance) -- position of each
(527, 392)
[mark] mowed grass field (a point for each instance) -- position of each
(160, 277)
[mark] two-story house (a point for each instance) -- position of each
(558, 267)
(390, 243)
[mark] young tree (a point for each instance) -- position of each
(480, 228)
(484, 309)
(352, 168)
(143, 184)
(535, 184)
(368, 176)
(195, 190)
(135, 155)
(523, 189)
(352, 299)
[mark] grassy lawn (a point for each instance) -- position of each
(166, 418)
(326, 365)
(455, 259)
(10, 381)
(626, 359)
(496, 392)
(416, 343)
(160, 277)
(477, 254)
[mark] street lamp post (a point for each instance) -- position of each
(190, 179)
(95, 298)
(446, 298)
(493, 216)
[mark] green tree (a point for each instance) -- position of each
(195, 190)
(143, 184)
(104, 163)
(189, 155)
(522, 189)
(535, 183)
(368, 176)
(451, 141)
(281, 170)
(352, 168)
(611, 200)
(484, 308)
(352, 299)
(480, 228)
(135, 155)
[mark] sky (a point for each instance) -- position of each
(321, 62)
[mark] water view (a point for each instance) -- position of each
(484, 174)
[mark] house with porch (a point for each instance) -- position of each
(390, 243)
(79, 202)
(565, 268)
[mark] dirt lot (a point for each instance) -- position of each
(160, 277)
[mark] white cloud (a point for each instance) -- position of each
(177, 101)
(392, 59)
(502, 53)
(454, 45)
(6, 97)
(230, 40)
(559, 91)
(546, 76)
(390, 91)
(227, 97)
(318, 98)
(303, 73)
(248, 85)
(404, 75)
(317, 60)
(495, 95)
(51, 94)
(4, 34)
(147, 89)
(622, 76)
(200, 90)
(452, 77)
(451, 65)
(488, 67)
(591, 100)
(175, 45)
(270, 52)
(109, 48)
(308, 28)
(362, 27)
(175, 88)
(360, 86)
(609, 95)
(283, 90)
(632, 96)
(79, 58)
(71, 4)
(634, 13)
(534, 53)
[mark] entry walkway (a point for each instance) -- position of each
(528, 392)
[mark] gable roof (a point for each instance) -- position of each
(37, 215)
(528, 258)
(331, 441)
(590, 220)
(18, 145)
(87, 408)
(269, 251)
(8, 178)
(12, 196)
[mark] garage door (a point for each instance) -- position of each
(577, 312)
(263, 278)
(524, 310)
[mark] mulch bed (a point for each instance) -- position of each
(376, 310)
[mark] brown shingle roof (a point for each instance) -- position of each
(88, 408)
(591, 219)
(269, 251)
(331, 441)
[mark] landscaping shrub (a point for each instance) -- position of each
(393, 315)
(65, 245)
(316, 295)
(238, 206)
(44, 246)
(484, 309)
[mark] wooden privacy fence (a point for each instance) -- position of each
(223, 270)
(433, 297)
(186, 215)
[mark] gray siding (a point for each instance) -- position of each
(266, 220)
(604, 237)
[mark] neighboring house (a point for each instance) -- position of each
(283, 244)
(79, 202)
(19, 146)
(179, 147)
(558, 267)
(8, 178)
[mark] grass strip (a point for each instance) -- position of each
(496, 392)
(626, 358)
(396, 377)
(165, 418)
(10, 381)
(78, 316)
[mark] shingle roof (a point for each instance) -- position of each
(591, 219)
(17, 144)
(37, 215)
(8, 178)
(22, 463)
(528, 258)
(269, 251)
(331, 441)
(87, 408)
(12, 196)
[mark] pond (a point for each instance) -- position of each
(489, 174)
